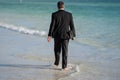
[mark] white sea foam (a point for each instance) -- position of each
(22, 29)
(77, 68)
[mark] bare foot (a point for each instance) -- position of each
(67, 68)
(55, 66)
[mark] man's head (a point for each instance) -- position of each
(60, 5)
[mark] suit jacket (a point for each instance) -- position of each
(61, 24)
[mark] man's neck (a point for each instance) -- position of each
(61, 9)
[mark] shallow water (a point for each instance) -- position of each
(30, 57)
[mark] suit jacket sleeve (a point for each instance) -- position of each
(72, 26)
(52, 25)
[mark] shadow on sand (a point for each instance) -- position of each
(30, 66)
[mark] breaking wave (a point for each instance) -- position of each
(22, 29)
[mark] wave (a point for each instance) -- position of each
(22, 29)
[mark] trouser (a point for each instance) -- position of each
(61, 44)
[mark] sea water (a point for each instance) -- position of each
(95, 53)
(97, 24)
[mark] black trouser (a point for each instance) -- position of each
(58, 45)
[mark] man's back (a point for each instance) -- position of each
(62, 19)
(62, 23)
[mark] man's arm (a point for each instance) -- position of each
(51, 28)
(72, 27)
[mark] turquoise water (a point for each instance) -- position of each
(94, 55)
(97, 24)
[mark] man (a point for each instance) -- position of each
(61, 24)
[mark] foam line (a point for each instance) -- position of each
(22, 29)
(77, 68)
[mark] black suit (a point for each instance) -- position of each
(61, 24)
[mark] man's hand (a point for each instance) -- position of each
(49, 38)
(73, 38)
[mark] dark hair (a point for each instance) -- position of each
(60, 4)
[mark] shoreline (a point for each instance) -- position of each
(22, 53)
(30, 57)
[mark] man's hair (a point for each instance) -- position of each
(60, 4)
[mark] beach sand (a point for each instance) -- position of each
(28, 57)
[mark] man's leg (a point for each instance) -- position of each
(57, 50)
(64, 53)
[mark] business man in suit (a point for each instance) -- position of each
(61, 24)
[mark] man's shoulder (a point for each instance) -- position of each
(55, 12)
(66, 12)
